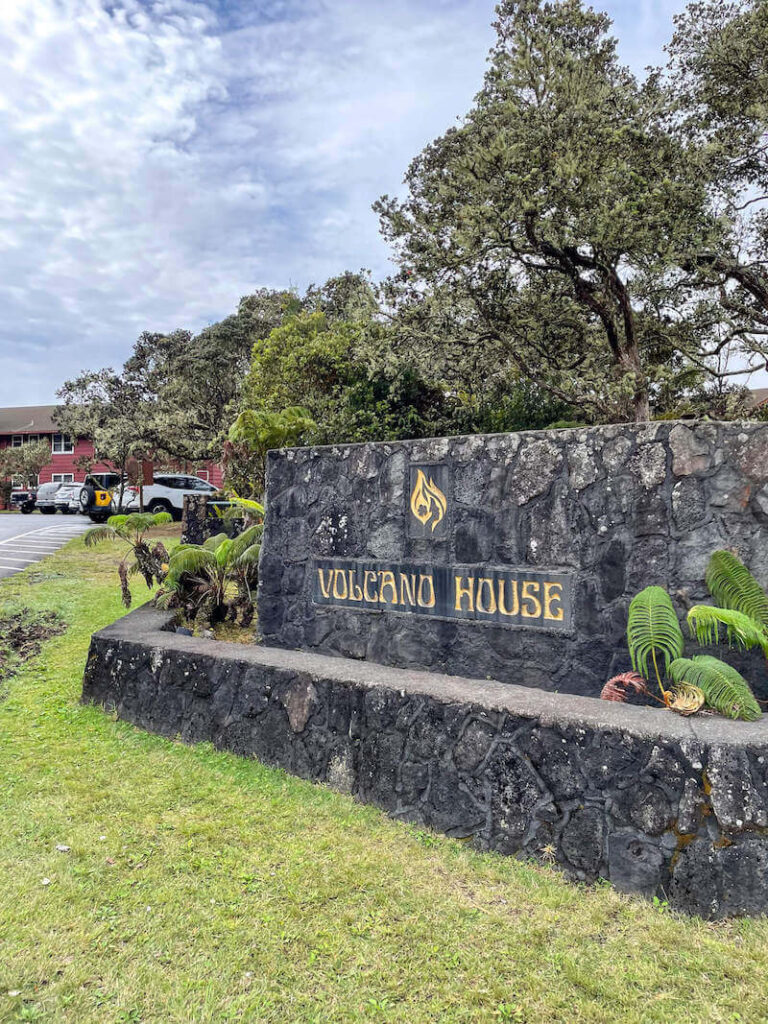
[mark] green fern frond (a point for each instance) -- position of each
(213, 542)
(704, 622)
(248, 558)
(725, 689)
(139, 522)
(161, 518)
(117, 521)
(99, 533)
(224, 553)
(733, 586)
(653, 630)
(192, 560)
(247, 538)
(254, 507)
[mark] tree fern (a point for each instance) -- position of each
(733, 586)
(99, 533)
(725, 689)
(704, 622)
(190, 560)
(652, 631)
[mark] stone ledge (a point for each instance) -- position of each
(655, 803)
(150, 627)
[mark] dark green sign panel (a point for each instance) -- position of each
(505, 597)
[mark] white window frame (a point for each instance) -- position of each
(17, 440)
(62, 445)
(62, 478)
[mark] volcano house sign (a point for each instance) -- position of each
(480, 593)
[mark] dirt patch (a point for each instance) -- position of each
(22, 634)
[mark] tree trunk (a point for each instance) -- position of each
(629, 361)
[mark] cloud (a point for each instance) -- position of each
(161, 158)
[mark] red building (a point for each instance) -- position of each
(35, 423)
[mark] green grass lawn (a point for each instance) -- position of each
(198, 886)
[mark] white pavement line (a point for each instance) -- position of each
(31, 546)
(26, 551)
(33, 540)
(15, 558)
(13, 568)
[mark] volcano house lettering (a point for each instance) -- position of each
(509, 597)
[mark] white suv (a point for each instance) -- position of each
(166, 494)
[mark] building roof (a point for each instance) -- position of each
(28, 419)
(759, 397)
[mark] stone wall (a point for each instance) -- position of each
(616, 507)
(199, 520)
(658, 804)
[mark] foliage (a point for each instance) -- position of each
(717, 79)
(200, 578)
(112, 411)
(653, 627)
(252, 435)
(619, 687)
(150, 563)
(193, 382)
(733, 586)
(557, 211)
(345, 374)
(724, 688)
(22, 465)
(653, 631)
(685, 698)
(704, 622)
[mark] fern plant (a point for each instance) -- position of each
(150, 563)
(201, 577)
(741, 631)
(733, 586)
(653, 632)
(724, 689)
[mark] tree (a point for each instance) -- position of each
(717, 77)
(336, 369)
(23, 464)
(112, 411)
(193, 382)
(252, 435)
(557, 212)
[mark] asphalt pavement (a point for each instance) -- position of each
(24, 540)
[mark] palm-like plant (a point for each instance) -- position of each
(723, 687)
(151, 563)
(733, 586)
(653, 632)
(200, 577)
(704, 622)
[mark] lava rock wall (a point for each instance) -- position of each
(617, 508)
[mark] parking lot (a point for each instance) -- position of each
(24, 540)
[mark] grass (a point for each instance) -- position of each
(195, 886)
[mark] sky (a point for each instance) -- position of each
(158, 160)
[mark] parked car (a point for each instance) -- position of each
(99, 497)
(46, 497)
(64, 497)
(166, 494)
(23, 500)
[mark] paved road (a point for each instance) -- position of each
(26, 539)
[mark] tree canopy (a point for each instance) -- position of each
(562, 215)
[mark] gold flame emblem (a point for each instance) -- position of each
(428, 503)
